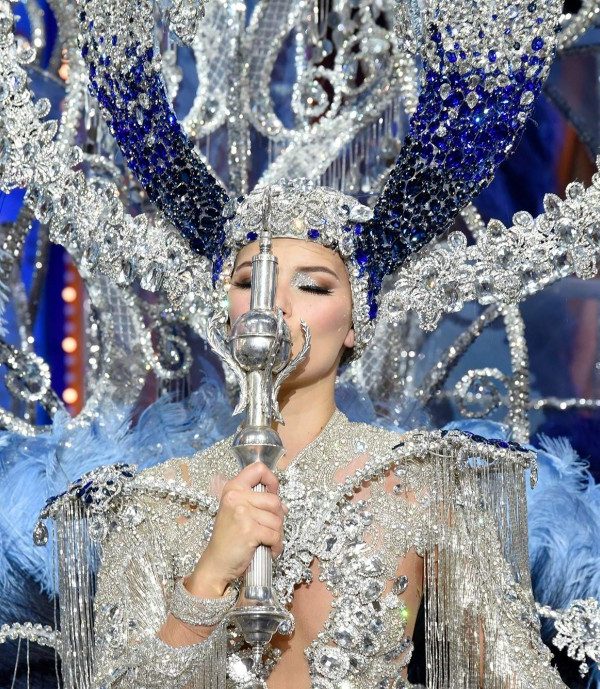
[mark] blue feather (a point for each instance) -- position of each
(35, 468)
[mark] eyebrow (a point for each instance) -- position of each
(301, 269)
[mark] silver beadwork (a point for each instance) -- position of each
(204, 612)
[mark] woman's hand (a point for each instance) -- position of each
(244, 521)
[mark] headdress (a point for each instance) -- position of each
(483, 65)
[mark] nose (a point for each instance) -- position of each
(283, 300)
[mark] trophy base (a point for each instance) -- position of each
(258, 620)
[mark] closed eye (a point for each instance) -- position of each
(315, 289)
(305, 288)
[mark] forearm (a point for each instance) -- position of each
(188, 643)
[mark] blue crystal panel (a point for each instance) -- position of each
(157, 151)
(467, 120)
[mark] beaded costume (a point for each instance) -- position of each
(363, 500)
(360, 498)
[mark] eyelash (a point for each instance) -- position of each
(305, 288)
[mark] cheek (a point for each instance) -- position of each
(331, 318)
(239, 303)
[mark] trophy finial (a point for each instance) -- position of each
(265, 233)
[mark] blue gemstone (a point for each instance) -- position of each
(454, 99)
(361, 257)
(451, 56)
(358, 228)
(537, 43)
(492, 56)
(314, 234)
(373, 308)
(252, 236)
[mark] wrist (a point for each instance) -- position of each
(200, 612)
(204, 583)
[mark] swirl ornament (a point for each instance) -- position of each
(477, 393)
(577, 630)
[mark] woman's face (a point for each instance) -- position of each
(313, 286)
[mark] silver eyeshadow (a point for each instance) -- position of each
(302, 279)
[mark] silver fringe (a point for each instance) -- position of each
(476, 505)
(76, 555)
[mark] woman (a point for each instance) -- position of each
(358, 518)
(363, 503)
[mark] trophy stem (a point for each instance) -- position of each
(259, 347)
(259, 615)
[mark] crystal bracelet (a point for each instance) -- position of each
(204, 612)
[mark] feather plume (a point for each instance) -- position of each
(35, 468)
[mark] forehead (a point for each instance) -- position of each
(295, 252)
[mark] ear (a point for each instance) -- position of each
(349, 341)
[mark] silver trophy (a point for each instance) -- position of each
(258, 348)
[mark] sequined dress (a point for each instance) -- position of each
(360, 499)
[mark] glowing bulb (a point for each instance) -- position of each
(69, 345)
(70, 395)
(69, 294)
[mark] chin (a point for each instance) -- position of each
(308, 373)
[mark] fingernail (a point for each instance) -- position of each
(286, 509)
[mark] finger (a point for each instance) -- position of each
(268, 502)
(266, 536)
(254, 474)
(264, 518)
